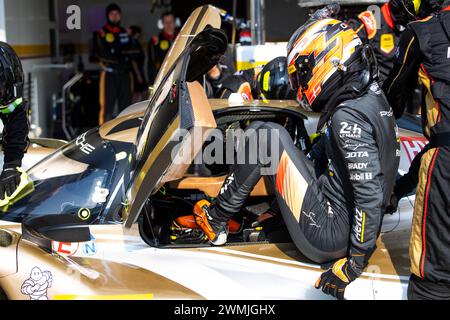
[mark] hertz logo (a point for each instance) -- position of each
(358, 229)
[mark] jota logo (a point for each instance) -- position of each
(357, 154)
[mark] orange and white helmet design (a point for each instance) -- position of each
(318, 53)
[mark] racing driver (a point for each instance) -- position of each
(333, 216)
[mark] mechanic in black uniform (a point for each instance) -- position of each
(112, 48)
(215, 77)
(395, 15)
(159, 45)
(424, 56)
(270, 81)
(13, 112)
(334, 216)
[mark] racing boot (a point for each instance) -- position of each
(215, 230)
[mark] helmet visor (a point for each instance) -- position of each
(300, 73)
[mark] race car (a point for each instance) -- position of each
(107, 215)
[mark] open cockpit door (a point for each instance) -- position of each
(176, 123)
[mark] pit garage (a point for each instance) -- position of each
(131, 113)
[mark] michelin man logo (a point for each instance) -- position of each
(37, 285)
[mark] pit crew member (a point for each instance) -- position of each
(395, 16)
(159, 45)
(112, 48)
(424, 56)
(13, 113)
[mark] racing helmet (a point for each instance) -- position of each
(273, 80)
(320, 54)
(11, 77)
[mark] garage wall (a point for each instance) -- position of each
(27, 29)
(283, 17)
(27, 26)
(134, 12)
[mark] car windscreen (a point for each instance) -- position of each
(73, 180)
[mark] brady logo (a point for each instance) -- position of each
(350, 130)
(357, 154)
(359, 166)
(358, 229)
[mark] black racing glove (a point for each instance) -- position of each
(393, 204)
(337, 278)
(402, 187)
(9, 181)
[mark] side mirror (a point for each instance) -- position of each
(57, 227)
